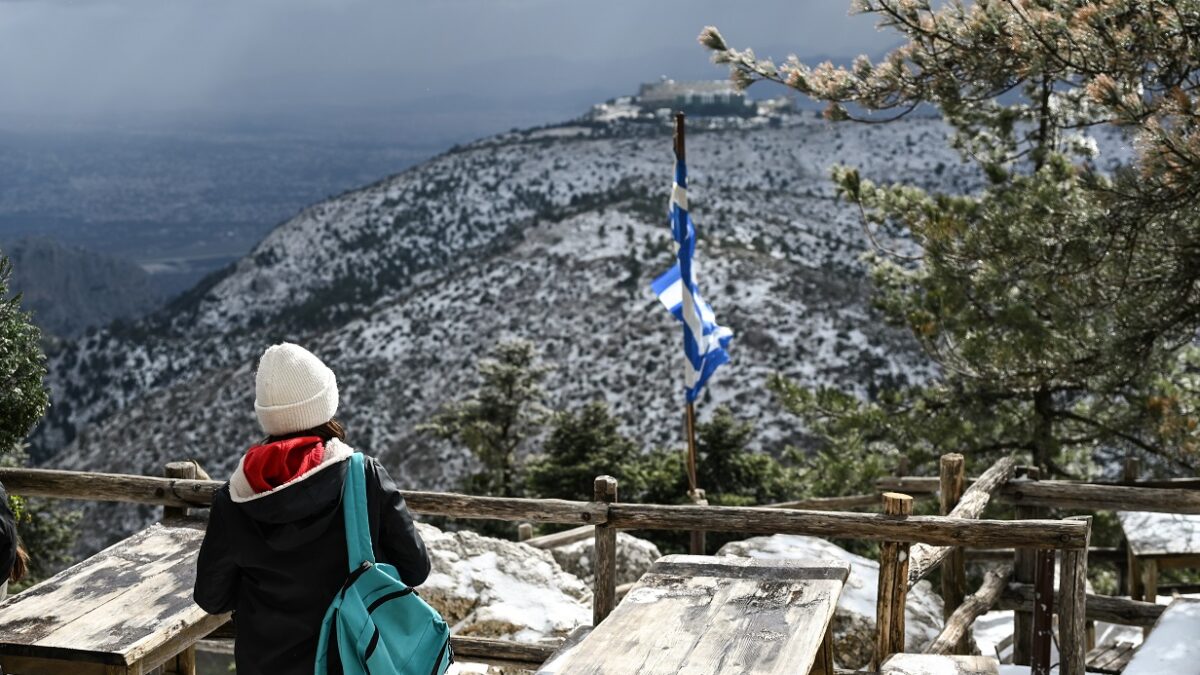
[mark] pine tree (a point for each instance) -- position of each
(495, 420)
(1061, 303)
(23, 396)
(583, 445)
(47, 531)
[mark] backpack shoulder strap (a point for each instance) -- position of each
(354, 508)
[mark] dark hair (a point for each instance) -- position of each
(326, 431)
(20, 565)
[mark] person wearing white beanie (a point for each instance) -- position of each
(275, 550)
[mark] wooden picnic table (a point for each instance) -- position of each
(1172, 647)
(696, 615)
(1158, 541)
(127, 610)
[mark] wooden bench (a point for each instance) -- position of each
(931, 664)
(1173, 645)
(1157, 541)
(704, 614)
(1110, 658)
(126, 610)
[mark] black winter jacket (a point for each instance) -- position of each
(8, 538)
(277, 561)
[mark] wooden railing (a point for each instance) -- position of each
(934, 536)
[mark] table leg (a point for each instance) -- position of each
(1149, 584)
(29, 665)
(823, 665)
(1134, 571)
(183, 663)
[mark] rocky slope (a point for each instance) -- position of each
(551, 234)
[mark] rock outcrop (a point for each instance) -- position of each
(634, 558)
(496, 588)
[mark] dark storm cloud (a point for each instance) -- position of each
(80, 57)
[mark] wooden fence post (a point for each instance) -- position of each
(893, 585)
(183, 663)
(183, 470)
(604, 594)
(1130, 582)
(524, 531)
(954, 569)
(1072, 635)
(1024, 566)
(697, 544)
(1042, 619)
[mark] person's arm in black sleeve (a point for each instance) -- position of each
(398, 536)
(216, 570)
(8, 538)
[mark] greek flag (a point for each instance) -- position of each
(704, 342)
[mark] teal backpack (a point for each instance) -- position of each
(376, 624)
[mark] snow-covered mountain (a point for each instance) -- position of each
(552, 234)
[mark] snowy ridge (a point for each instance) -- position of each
(549, 236)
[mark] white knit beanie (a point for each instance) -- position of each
(293, 390)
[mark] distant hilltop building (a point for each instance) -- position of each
(710, 97)
(716, 100)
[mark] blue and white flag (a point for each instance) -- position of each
(704, 342)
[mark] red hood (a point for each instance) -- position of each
(268, 466)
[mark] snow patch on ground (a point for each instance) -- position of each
(496, 588)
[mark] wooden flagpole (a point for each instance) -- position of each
(695, 494)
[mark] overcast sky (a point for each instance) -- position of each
(166, 59)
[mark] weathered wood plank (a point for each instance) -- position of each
(1090, 497)
(109, 487)
(179, 470)
(831, 503)
(893, 589)
(604, 590)
(1072, 614)
(468, 647)
(504, 508)
(697, 538)
(929, 664)
(1099, 607)
(1041, 619)
(1024, 571)
(959, 623)
(128, 606)
(911, 485)
(1171, 648)
(1110, 658)
(697, 614)
(758, 520)
(552, 664)
(952, 467)
(183, 663)
(936, 530)
(919, 485)
(824, 660)
(926, 556)
(556, 539)
(180, 493)
(1160, 534)
(1097, 555)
